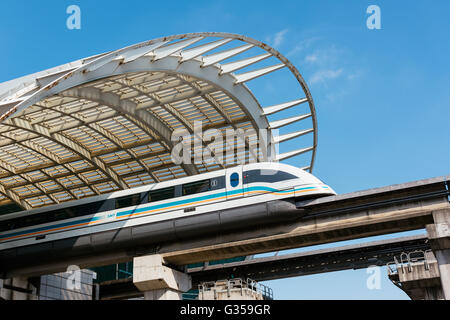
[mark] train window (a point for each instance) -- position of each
(9, 208)
(196, 187)
(24, 222)
(128, 201)
(6, 225)
(268, 176)
(54, 215)
(37, 219)
(89, 208)
(161, 194)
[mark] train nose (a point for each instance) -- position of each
(329, 189)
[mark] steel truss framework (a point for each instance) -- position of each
(105, 123)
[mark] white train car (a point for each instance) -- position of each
(225, 199)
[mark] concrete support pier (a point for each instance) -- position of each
(419, 279)
(439, 235)
(157, 281)
(427, 277)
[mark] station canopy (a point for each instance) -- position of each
(105, 123)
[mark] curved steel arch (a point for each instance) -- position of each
(179, 56)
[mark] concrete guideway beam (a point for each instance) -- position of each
(305, 232)
(157, 281)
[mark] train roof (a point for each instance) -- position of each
(161, 185)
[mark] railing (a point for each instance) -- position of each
(406, 260)
(266, 291)
(236, 284)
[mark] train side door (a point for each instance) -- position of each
(234, 183)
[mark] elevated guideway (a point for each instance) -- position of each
(379, 211)
(422, 204)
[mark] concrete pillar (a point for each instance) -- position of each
(157, 281)
(433, 293)
(163, 294)
(420, 280)
(439, 235)
(443, 259)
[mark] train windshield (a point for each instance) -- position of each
(267, 175)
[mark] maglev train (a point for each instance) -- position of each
(188, 206)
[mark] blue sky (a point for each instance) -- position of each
(382, 96)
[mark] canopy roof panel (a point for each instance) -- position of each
(105, 123)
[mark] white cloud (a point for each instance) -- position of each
(303, 45)
(325, 57)
(325, 74)
(277, 39)
(312, 58)
(355, 74)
